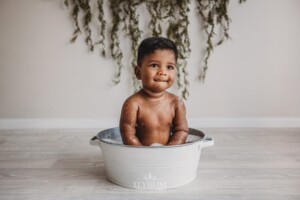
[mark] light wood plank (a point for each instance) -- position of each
(60, 164)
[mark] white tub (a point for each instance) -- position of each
(150, 167)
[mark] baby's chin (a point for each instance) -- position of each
(161, 86)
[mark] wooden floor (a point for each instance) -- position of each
(60, 164)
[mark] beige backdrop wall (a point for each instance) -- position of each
(45, 81)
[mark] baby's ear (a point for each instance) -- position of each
(137, 71)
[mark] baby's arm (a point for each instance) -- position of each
(128, 123)
(180, 127)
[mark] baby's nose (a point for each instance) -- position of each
(162, 72)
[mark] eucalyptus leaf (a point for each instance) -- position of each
(167, 17)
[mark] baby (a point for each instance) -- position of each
(153, 115)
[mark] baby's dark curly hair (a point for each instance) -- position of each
(149, 45)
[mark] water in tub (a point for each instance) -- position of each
(190, 138)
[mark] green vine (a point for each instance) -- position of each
(169, 17)
(213, 13)
(85, 7)
(115, 48)
(102, 27)
(178, 31)
(134, 33)
(74, 13)
(154, 8)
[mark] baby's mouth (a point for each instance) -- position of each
(160, 80)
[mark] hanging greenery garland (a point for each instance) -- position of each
(169, 17)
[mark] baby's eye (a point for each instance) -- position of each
(170, 67)
(153, 65)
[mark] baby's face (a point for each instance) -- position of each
(158, 70)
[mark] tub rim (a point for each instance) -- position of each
(192, 131)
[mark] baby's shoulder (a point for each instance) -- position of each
(133, 99)
(175, 100)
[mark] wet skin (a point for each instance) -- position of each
(150, 115)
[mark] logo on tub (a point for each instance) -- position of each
(150, 182)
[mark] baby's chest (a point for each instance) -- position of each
(158, 114)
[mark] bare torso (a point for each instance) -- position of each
(151, 119)
(154, 120)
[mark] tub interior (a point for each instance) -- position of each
(113, 136)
